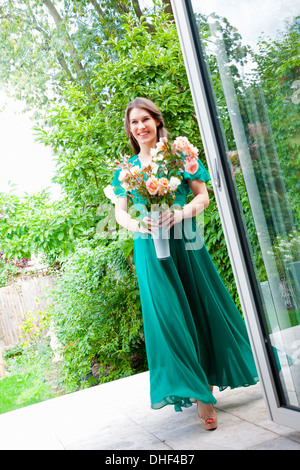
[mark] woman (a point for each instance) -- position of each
(195, 336)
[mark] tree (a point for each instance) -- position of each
(46, 44)
(87, 133)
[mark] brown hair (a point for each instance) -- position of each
(153, 110)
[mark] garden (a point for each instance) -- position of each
(76, 65)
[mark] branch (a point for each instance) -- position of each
(63, 63)
(60, 57)
(59, 23)
(97, 8)
(168, 7)
(139, 13)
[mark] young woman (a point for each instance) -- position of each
(195, 336)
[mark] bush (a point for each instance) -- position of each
(96, 315)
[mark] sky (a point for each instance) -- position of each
(24, 162)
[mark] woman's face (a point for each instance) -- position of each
(143, 127)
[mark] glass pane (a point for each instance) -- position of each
(254, 68)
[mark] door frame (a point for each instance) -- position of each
(232, 223)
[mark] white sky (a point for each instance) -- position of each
(23, 161)
(251, 17)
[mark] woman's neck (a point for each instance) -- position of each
(144, 154)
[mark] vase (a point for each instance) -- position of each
(160, 238)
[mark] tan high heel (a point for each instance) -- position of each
(209, 423)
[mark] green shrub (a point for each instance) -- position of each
(96, 315)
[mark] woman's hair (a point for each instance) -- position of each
(153, 110)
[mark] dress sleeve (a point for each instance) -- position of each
(118, 189)
(201, 174)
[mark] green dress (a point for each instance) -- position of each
(194, 334)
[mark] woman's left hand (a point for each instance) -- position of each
(168, 218)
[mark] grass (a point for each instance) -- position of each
(32, 377)
(22, 390)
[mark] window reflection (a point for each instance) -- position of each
(257, 92)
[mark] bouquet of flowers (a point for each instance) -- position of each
(158, 181)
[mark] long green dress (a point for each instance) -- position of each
(194, 334)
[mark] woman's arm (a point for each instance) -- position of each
(199, 202)
(125, 220)
(197, 205)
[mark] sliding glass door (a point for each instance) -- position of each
(242, 60)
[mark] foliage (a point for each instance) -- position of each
(8, 270)
(278, 68)
(34, 326)
(32, 377)
(34, 223)
(88, 135)
(96, 314)
(45, 45)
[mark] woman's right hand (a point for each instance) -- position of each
(148, 226)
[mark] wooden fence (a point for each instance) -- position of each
(17, 299)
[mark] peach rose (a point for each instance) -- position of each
(183, 145)
(163, 186)
(152, 185)
(160, 146)
(191, 165)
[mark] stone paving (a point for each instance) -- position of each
(117, 416)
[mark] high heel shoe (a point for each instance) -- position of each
(209, 423)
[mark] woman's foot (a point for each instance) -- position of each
(207, 415)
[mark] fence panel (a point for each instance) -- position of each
(17, 299)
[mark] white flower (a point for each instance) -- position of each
(154, 168)
(135, 170)
(110, 194)
(153, 152)
(174, 183)
(123, 174)
(126, 186)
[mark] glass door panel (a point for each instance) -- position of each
(242, 59)
(255, 75)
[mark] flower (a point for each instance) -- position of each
(191, 165)
(174, 183)
(154, 168)
(153, 152)
(160, 147)
(152, 185)
(157, 181)
(110, 194)
(163, 186)
(182, 144)
(123, 175)
(135, 170)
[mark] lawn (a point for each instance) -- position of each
(32, 377)
(23, 390)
